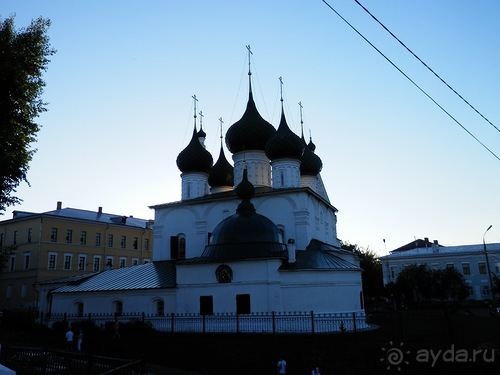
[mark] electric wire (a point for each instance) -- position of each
(427, 66)
(409, 79)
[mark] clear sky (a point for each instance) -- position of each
(395, 166)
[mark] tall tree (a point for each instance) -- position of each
(24, 56)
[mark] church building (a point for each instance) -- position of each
(257, 235)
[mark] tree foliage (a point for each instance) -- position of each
(24, 56)
(371, 275)
(416, 284)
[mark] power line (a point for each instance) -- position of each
(409, 79)
(424, 64)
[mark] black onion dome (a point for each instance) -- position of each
(284, 143)
(310, 163)
(246, 234)
(311, 145)
(194, 158)
(201, 133)
(251, 132)
(222, 173)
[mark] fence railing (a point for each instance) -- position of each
(29, 361)
(273, 322)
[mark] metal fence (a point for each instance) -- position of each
(29, 361)
(273, 322)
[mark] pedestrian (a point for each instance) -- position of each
(79, 340)
(281, 366)
(315, 371)
(116, 332)
(69, 339)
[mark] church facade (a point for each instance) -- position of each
(254, 236)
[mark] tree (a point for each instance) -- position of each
(23, 58)
(371, 275)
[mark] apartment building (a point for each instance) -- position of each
(66, 242)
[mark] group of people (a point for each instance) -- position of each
(282, 368)
(70, 339)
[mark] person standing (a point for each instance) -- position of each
(281, 367)
(69, 339)
(79, 340)
(315, 371)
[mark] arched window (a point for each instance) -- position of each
(160, 307)
(281, 230)
(118, 308)
(79, 308)
(224, 274)
(178, 246)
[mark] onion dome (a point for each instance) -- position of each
(246, 234)
(284, 143)
(310, 163)
(251, 132)
(201, 133)
(311, 145)
(222, 173)
(194, 158)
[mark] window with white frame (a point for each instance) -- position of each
(110, 240)
(485, 291)
(466, 269)
(83, 237)
(69, 236)
(482, 268)
(123, 242)
(98, 239)
(82, 262)
(52, 261)
(97, 263)
(135, 261)
(53, 234)
(146, 244)
(135, 243)
(67, 261)
(146, 260)
(123, 262)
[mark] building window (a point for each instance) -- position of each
(178, 247)
(23, 291)
(145, 261)
(79, 309)
(83, 238)
(27, 257)
(110, 240)
(450, 265)
(69, 236)
(9, 292)
(206, 305)
(82, 262)
(12, 263)
(30, 231)
(146, 244)
(53, 234)
(243, 304)
(109, 263)
(135, 261)
(497, 268)
(15, 237)
(465, 268)
(160, 307)
(67, 261)
(52, 261)
(1, 239)
(123, 242)
(482, 268)
(135, 243)
(123, 262)
(98, 239)
(97, 263)
(118, 307)
(393, 272)
(224, 274)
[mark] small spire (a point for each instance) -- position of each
(249, 70)
(221, 122)
(201, 119)
(281, 91)
(195, 100)
(301, 122)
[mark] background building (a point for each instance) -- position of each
(66, 242)
(470, 260)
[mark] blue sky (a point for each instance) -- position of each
(395, 166)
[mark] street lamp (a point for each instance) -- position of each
(488, 263)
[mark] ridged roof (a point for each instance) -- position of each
(251, 132)
(154, 275)
(194, 158)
